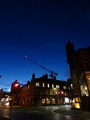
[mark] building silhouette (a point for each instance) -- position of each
(79, 65)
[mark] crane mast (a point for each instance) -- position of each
(52, 73)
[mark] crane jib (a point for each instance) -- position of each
(52, 73)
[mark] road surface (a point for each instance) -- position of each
(37, 113)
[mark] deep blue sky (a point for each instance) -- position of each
(39, 29)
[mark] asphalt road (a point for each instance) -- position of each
(37, 113)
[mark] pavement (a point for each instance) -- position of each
(73, 112)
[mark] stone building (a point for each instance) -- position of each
(44, 91)
(79, 64)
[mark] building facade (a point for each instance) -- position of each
(44, 91)
(79, 64)
(1, 93)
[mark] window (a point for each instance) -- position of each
(71, 86)
(43, 92)
(64, 87)
(37, 84)
(65, 93)
(36, 91)
(48, 85)
(68, 88)
(53, 92)
(57, 86)
(87, 65)
(43, 84)
(84, 90)
(28, 87)
(52, 85)
(48, 91)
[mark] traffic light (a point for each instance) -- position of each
(15, 87)
(61, 94)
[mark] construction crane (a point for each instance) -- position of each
(52, 73)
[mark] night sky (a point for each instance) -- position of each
(40, 29)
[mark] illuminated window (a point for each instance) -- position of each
(43, 84)
(52, 85)
(37, 84)
(84, 90)
(64, 87)
(28, 87)
(57, 86)
(71, 86)
(48, 85)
